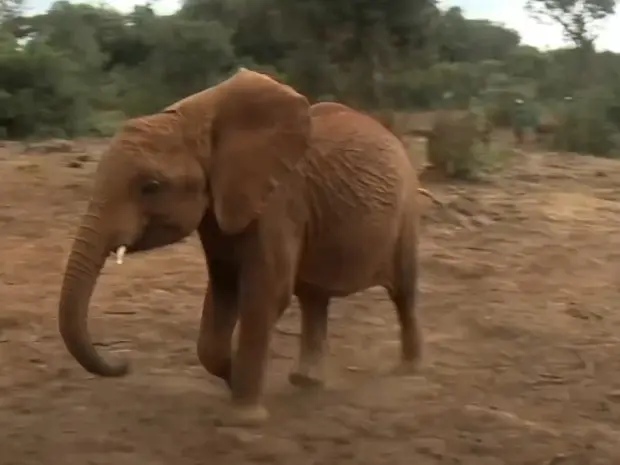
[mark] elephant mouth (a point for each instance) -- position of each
(154, 235)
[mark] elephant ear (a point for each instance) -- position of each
(260, 130)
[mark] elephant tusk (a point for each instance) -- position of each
(120, 254)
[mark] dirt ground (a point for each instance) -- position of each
(520, 311)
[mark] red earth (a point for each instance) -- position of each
(519, 305)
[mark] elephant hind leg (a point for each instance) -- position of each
(410, 331)
(403, 293)
(313, 341)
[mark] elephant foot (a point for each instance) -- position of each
(306, 381)
(244, 416)
(407, 368)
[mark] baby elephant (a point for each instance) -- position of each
(287, 199)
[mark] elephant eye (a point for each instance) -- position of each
(151, 187)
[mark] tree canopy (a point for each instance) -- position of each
(81, 68)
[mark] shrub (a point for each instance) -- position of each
(457, 145)
(105, 123)
(584, 127)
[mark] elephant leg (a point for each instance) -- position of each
(313, 341)
(410, 332)
(257, 316)
(265, 289)
(403, 294)
(219, 317)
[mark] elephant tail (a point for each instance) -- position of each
(430, 195)
(446, 209)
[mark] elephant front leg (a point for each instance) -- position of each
(219, 317)
(249, 365)
(262, 296)
(313, 342)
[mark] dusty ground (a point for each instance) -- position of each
(520, 312)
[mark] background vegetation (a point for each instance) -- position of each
(80, 69)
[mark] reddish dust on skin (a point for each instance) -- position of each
(520, 315)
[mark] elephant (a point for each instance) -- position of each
(287, 199)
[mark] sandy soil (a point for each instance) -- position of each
(520, 314)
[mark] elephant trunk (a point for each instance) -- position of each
(87, 257)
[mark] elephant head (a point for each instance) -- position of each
(222, 150)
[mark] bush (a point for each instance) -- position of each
(456, 144)
(105, 124)
(584, 127)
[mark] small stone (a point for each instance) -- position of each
(75, 164)
(614, 395)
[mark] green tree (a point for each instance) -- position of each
(579, 19)
(10, 9)
(462, 39)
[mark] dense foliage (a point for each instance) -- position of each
(79, 69)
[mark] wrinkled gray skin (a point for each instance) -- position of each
(287, 199)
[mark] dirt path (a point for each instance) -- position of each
(520, 315)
